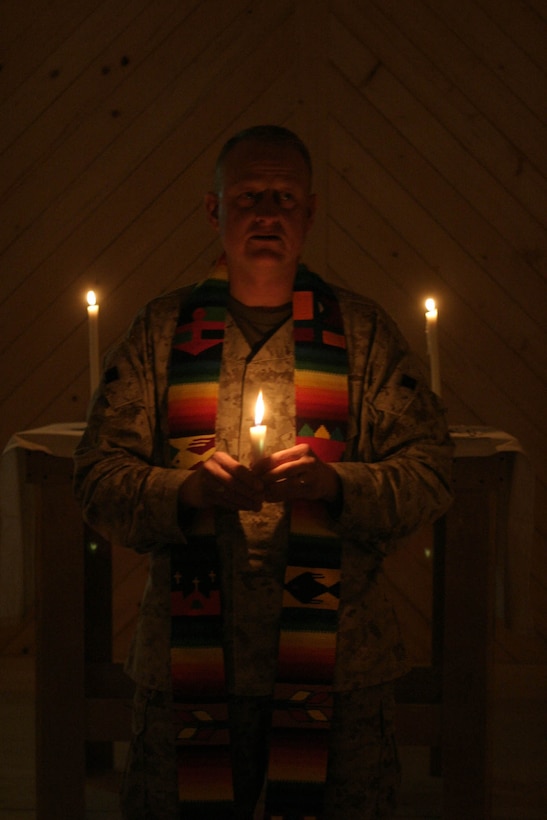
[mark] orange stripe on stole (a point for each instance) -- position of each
(302, 301)
(198, 671)
(306, 656)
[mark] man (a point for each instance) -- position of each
(266, 650)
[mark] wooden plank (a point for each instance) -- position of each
(30, 32)
(427, 113)
(79, 135)
(459, 65)
(424, 79)
(382, 143)
(17, 21)
(539, 8)
(311, 29)
(519, 22)
(52, 83)
(516, 73)
(433, 139)
(358, 263)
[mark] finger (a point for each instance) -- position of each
(288, 488)
(231, 472)
(276, 460)
(292, 471)
(230, 485)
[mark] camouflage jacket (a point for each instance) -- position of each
(396, 479)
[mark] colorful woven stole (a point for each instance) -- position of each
(302, 696)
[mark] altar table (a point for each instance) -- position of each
(482, 562)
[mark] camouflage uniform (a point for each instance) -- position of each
(397, 478)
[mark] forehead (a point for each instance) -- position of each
(250, 161)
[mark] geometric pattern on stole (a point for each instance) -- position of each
(303, 693)
(197, 662)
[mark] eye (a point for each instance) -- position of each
(287, 199)
(247, 199)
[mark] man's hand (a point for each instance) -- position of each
(221, 481)
(298, 473)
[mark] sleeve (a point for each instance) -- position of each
(121, 477)
(397, 477)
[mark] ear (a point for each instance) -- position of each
(211, 206)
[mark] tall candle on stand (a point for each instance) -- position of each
(93, 322)
(258, 431)
(431, 328)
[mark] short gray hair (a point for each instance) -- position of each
(275, 134)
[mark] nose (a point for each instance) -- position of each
(267, 205)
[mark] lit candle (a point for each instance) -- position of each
(431, 319)
(258, 432)
(93, 317)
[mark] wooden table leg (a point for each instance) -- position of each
(60, 729)
(98, 627)
(469, 617)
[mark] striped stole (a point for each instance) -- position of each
(302, 701)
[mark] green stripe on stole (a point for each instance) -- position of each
(302, 697)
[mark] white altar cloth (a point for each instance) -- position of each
(17, 519)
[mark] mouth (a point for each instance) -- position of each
(266, 237)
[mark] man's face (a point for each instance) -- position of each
(264, 209)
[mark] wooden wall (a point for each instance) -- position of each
(427, 120)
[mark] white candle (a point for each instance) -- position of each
(93, 322)
(431, 327)
(258, 432)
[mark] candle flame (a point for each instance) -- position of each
(259, 409)
(430, 304)
(91, 298)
